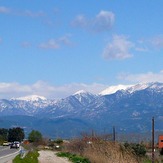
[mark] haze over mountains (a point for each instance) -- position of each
(129, 108)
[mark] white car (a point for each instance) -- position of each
(15, 144)
(5, 143)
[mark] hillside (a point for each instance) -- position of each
(130, 109)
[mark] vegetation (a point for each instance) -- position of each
(16, 134)
(138, 149)
(3, 134)
(31, 157)
(35, 136)
(12, 134)
(97, 150)
(58, 141)
(73, 157)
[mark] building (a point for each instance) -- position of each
(160, 141)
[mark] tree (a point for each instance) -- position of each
(16, 134)
(3, 134)
(34, 136)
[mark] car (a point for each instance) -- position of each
(5, 143)
(15, 144)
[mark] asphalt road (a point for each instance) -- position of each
(7, 154)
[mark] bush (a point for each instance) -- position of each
(138, 149)
(59, 141)
(73, 157)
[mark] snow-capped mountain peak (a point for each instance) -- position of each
(30, 98)
(132, 88)
(142, 86)
(138, 87)
(113, 89)
(80, 92)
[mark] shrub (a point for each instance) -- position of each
(59, 141)
(31, 157)
(73, 157)
(138, 149)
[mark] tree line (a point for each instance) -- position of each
(12, 134)
(17, 134)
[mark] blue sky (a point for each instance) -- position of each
(54, 48)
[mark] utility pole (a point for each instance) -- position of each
(153, 137)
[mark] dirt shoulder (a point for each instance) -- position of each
(47, 156)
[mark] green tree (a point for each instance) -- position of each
(34, 136)
(16, 134)
(3, 134)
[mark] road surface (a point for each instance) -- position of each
(7, 154)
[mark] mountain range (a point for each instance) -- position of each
(129, 108)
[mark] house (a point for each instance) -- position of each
(160, 141)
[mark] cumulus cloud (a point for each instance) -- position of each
(103, 21)
(55, 43)
(119, 48)
(143, 77)
(10, 90)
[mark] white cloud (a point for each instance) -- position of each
(4, 10)
(119, 48)
(33, 14)
(9, 90)
(51, 44)
(103, 21)
(157, 41)
(65, 40)
(25, 44)
(80, 21)
(29, 13)
(142, 49)
(56, 43)
(143, 77)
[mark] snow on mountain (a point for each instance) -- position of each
(132, 88)
(30, 98)
(128, 106)
(114, 89)
(138, 87)
(81, 100)
(84, 96)
(80, 92)
(156, 86)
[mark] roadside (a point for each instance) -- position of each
(9, 158)
(50, 157)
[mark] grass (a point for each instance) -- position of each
(31, 157)
(73, 157)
